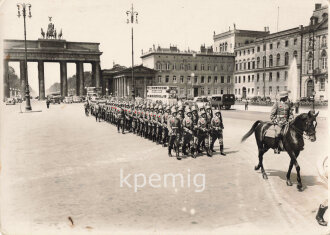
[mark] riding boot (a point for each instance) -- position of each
(276, 147)
(169, 152)
(208, 152)
(212, 148)
(184, 152)
(221, 151)
(319, 215)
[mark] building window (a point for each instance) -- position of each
(252, 50)
(295, 41)
(188, 66)
(167, 66)
(243, 79)
(189, 92)
(310, 62)
(277, 89)
(208, 91)
(239, 79)
(215, 79)
(264, 47)
(278, 44)
(209, 79)
(286, 58)
(202, 91)
(258, 49)
(285, 75)
(324, 41)
(235, 79)
(208, 67)
(270, 76)
(174, 79)
(258, 62)
(181, 79)
(264, 62)
(271, 46)
(322, 84)
(159, 79)
(188, 79)
(216, 68)
(235, 91)
(277, 76)
(240, 66)
(174, 66)
(258, 76)
(221, 91)
(159, 66)
(222, 79)
(181, 91)
(249, 65)
(270, 90)
(181, 67)
(253, 64)
(195, 79)
(249, 78)
(324, 60)
(195, 67)
(271, 61)
(257, 90)
(252, 91)
(202, 79)
(295, 54)
(248, 90)
(215, 91)
(286, 43)
(228, 79)
(239, 91)
(278, 59)
(167, 78)
(202, 67)
(244, 65)
(252, 78)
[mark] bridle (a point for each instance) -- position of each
(302, 132)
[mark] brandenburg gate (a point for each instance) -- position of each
(53, 49)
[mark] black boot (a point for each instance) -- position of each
(208, 152)
(319, 215)
(212, 148)
(276, 147)
(169, 152)
(184, 152)
(221, 151)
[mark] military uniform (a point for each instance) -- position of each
(216, 131)
(173, 126)
(188, 127)
(202, 126)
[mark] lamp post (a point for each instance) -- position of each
(130, 19)
(27, 91)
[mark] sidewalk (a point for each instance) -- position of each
(266, 109)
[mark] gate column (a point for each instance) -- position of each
(6, 91)
(41, 79)
(81, 78)
(64, 78)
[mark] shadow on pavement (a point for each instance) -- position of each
(307, 180)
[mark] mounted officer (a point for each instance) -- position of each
(281, 114)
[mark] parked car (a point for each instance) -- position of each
(10, 101)
(201, 101)
(68, 99)
(76, 99)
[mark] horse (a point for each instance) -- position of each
(292, 141)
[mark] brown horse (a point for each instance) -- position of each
(292, 141)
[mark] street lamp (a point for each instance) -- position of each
(130, 19)
(27, 91)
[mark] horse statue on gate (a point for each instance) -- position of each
(292, 141)
(42, 33)
(51, 29)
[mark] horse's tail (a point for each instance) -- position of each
(250, 131)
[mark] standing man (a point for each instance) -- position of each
(188, 139)
(47, 103)
(280, 115)
(173, 125)
(246, 105)
(203, 133)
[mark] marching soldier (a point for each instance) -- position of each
(188, 127)
(216, 131)
(164, 124)
(173, 125)
(280, 115)
(146, 123)
(120, 119)
(159, 124)
(203, 133)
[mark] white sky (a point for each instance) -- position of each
(185, 23)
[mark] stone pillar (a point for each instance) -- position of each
(124, 86)
(81, 78)
(6, 88)
(64, 78)
(97, 73)
(41, 79)
(144, 87)
(93, 74)
(22, 78)
(77, 79)
(110, 85)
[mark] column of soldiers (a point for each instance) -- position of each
(192, 130)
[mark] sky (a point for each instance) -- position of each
(185, 23)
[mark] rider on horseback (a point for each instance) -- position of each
(280, 115)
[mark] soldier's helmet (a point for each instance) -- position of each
(160, 108)
(202, 112)
(208, 107)
(188, 110)
(173, 110)
(180, 108)
(193, 108)
(283, 94)
(168, 108)
(217, 111)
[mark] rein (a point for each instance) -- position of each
(300, 132)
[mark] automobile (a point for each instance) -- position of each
(303, 99)
(76, 99)
(68, 99)
(10, 101)
(201, 101)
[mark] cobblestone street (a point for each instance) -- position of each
(58, 163)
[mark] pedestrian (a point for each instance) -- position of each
(246, 105)
(47, 103)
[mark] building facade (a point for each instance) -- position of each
(202, 73)
(262, 66)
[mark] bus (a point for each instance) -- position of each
(165, 94)
(222, 101)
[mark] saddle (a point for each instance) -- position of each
(274, 131)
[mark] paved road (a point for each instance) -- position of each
(59, 163)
